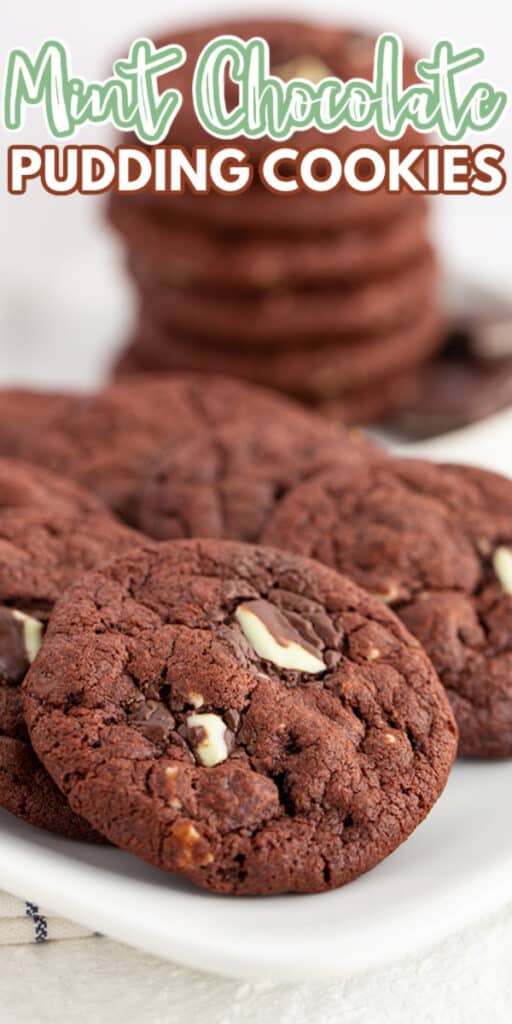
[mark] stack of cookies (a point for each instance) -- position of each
(212, 693)
(331, 298)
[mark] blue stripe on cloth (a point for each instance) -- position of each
(40, 922)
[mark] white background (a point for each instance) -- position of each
(61, 291)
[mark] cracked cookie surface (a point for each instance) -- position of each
(50, 532)
(435, 543)
(107, 441)
(239, 716)
(223, 477)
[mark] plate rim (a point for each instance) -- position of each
(84, 897)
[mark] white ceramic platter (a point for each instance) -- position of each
(455, 869)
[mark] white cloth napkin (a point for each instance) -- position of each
(22, 922)
(465, 980)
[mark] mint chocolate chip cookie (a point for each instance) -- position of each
(434, 543)
(244, 718)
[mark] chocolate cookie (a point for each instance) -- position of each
(24, 413)
(224, 478)
(435, 542)
(50, 532)
(107, 441)
(242, 717)
(100, 441)
(280, 318)
(328, 370)
(178, 253)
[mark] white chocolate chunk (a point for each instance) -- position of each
(196, 699)
(192, 847)
(212, 749)
(288, 655)
(389, 595)
(308, 67)
(502, 564)
(32, 633)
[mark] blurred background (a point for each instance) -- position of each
(64, 298)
